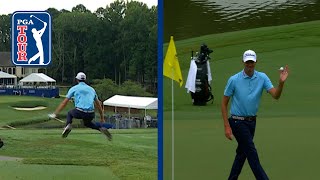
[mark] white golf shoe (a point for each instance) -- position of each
(106, 133)
(66, 131)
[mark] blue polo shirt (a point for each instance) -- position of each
(84, 96)
(246, 92)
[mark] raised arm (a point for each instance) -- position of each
(276, 92)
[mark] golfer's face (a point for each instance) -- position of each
(249, 65)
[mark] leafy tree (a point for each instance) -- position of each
(5, 29)
(139, 31)
(105, 88)
(80, 8)
(54, 12)
(114, 14)
(72, 37)
(131, 88)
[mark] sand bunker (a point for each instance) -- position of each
(30, 109)
(8, 158)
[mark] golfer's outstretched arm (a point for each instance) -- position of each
(224, 112)
(61, 106)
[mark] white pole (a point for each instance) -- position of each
(172, 100)
(129, 113)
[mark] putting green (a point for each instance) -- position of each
(12, 170)
(286, 129)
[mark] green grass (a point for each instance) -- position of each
(286, 129)
(85, 154)
(62, 172)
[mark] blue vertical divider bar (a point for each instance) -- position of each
(160, 89)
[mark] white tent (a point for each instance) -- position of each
(37, 78)
(132, 102)
(7, 79)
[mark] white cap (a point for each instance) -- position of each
(81, 76)
(249, 55)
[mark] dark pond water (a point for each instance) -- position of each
(191, 18)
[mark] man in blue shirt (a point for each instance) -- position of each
(85, 99)
(246, 88)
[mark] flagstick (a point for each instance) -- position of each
(171, 65)
(172, 100)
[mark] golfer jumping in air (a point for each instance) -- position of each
(37, 37)
(245, 88)
(85, 99)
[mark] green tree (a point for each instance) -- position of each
(130, 88)
(80, 8)
(114, 14)
(139, 34)
(5, 40)
(73, 34)
(105, 88)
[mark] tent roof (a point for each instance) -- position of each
(132, 102)
(37, 77)
(6, 75)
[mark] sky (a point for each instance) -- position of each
(10, 6)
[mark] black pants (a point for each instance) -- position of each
(1, 143)
(86, 117)
(243, 131)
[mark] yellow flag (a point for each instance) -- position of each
(171, 67)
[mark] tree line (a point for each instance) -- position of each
(118, 42)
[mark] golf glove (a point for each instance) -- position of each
(52, 116)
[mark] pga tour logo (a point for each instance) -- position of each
(31, 38)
